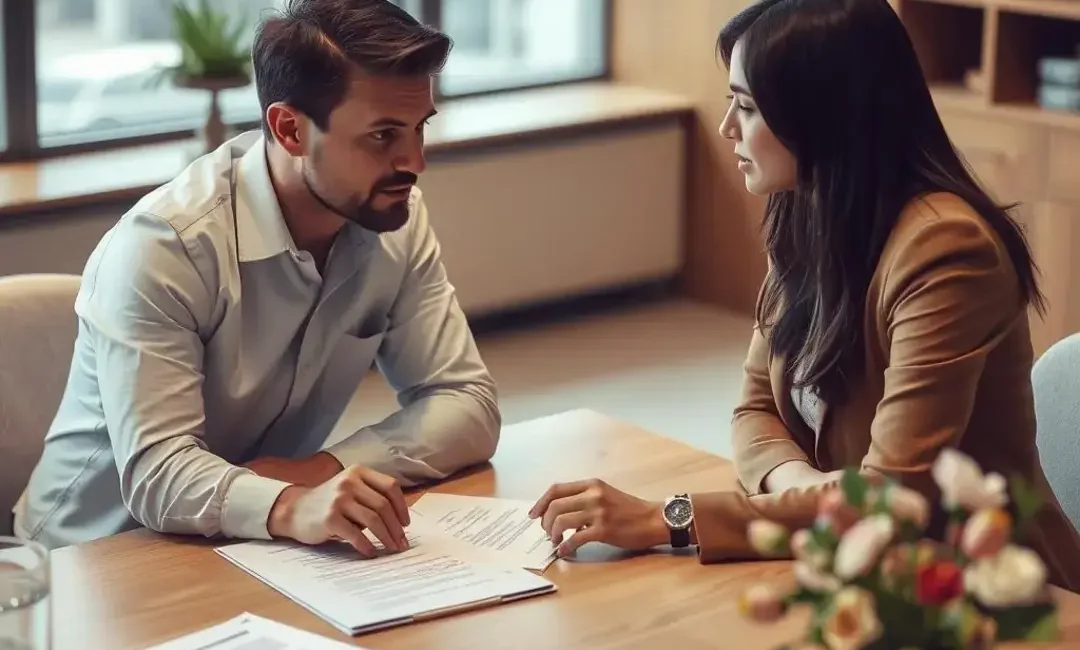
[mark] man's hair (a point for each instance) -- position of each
(306, 53)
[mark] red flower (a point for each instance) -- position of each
(937, 583)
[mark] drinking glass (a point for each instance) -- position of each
(24, 595)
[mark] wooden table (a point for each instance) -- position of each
(139, 589)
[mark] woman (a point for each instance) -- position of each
(893, 319)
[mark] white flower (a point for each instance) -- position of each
(767, 537)
(810, 577)
(861, 546)
(963, 484)
(907, 505)
(853, 622)
(1015, 576)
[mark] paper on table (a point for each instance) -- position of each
(499, 530)
(250, 632)
(357, 595)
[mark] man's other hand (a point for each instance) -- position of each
(355, 499)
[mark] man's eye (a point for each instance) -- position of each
(383, 136)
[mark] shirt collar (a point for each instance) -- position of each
(260, 226)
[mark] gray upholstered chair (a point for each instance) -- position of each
(1056, 382)
(37, 337)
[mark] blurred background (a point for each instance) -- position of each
(592, 220)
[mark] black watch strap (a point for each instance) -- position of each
(680, 538)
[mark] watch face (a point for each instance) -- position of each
(678, 513)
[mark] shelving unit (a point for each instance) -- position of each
(1020, 151)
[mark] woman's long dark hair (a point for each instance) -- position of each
(839, 84)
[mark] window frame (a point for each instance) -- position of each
(19, 81)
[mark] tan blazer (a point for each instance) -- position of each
(948, 361)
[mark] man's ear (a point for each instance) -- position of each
(288, 127)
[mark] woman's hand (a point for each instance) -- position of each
(600, 513)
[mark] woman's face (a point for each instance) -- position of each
(766, 164)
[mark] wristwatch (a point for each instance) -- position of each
(679, 516)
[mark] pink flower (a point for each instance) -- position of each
(836, 513)
(963, 484)
(762, 603)
(986, 533)
(907, 505)
(861, 546)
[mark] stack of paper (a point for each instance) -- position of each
(465, 553)
(498, 531)
(249, 632)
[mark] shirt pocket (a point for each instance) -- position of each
(351, 359)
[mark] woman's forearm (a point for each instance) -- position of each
(797, 474)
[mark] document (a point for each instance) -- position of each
(358, 595)
(497, 530)
(250, 632)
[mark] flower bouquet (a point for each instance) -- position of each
(874, 582)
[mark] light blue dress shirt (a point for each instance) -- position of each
(206, 339)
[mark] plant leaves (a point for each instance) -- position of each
(210, 44)
(1045, 630)
(1027, 503)
(855, 488)
(1016, 623)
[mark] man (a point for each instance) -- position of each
(227, 319)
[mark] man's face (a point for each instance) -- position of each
(364, 165)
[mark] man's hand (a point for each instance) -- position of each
(307, 472)
(600, 513)
(355, 499)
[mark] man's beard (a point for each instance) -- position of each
(366, 215)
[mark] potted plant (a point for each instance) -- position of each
(874, 581)
(215, 55)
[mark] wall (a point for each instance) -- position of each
(670, 45)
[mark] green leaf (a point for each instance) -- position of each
(854, 487)
(1045, 630)
(824, 537)
(1017, 623)
(1027, 502)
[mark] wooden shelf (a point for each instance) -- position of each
(1003, 40)
(1069, 9)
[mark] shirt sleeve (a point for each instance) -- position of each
(449, 417)
(951, 297)
(142, 310)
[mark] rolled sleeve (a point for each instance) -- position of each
(247, 506)
(449, 418)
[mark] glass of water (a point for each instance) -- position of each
(24, 595)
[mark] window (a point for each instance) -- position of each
(98, 71)
(503, 44)
(83, 74)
